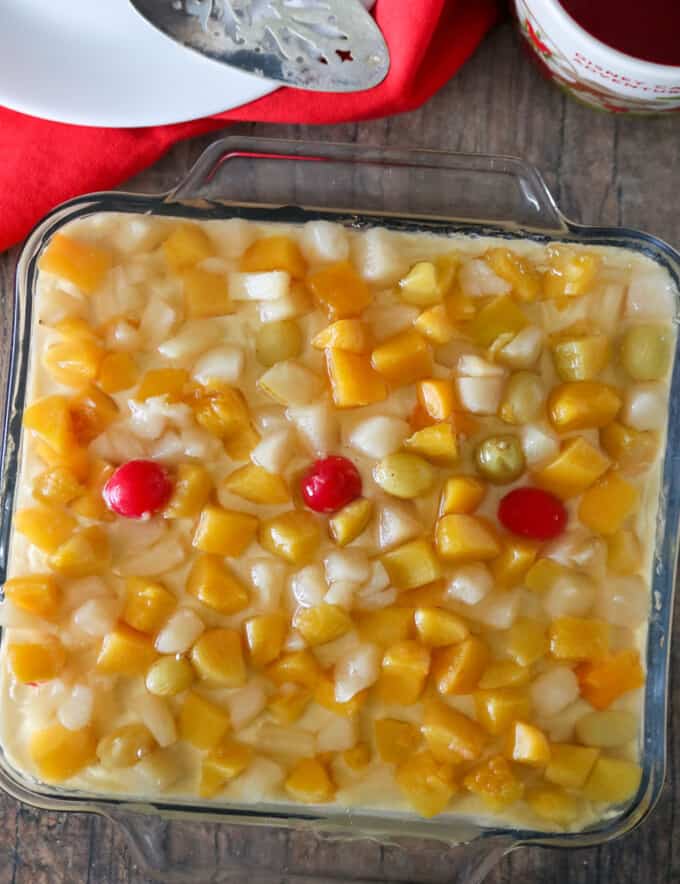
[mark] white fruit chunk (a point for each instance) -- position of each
(337, 735)
(180, 632)
(356, 671)
(523, 349)
(350, 564)
(623, 601)
(470, 584)
(607, 306)
(650, 295)
(341, 593)
(644, 407)
(149, 419)
(164, 556)
(324, 241)
(55, 305)
(193, 338)
(245, 704)
(259, 286)
(274, 451)
(290, 383)
(318, 425)
(291, 305)
(156, 715)
(553, 691)
(75, 711)
(499, 610)
(477, 279)
(158, 321)
(224, 363)
(233, 236)
(379, 258)
(309, 586)
(539, 445)
(397, 523)
(97, 617)
(267, 577)
(480, 395)
(379, 436)
(571, 595)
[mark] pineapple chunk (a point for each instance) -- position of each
(148, 604)
(436, 325)
(395, 740)
(428, 283)
(405, 666)
(321, 624)
(340, 290)
(570, 766)
(569, 275)
(580, 357)
(501, 316)
(73, 363)
(187, 246)
(498, 710)
(46, 527)
(437, 443)
(37, 594)
(412, 564)
(494, 781)
(345, 334)
(310, 782)
(553, 804)
(31, 662)
(438, 398)
(255, 484)
(91, 413)
(224, 532)
(353, 380)
(437, 627)
(274, 253)
(205, 294)
(404, 358)
(576, 638)
(351, 521)
(528, 745)
(168, 382)
(525, 280)
(265, 635)
(125, 746)
(193, 484)
(213, 584)
(125, 652)
(226, 761)
(82, 264)
(50, 419)
(582, 405)
(612, 780)
(578, 465)
(633, 450)
(606, 505)
(386, 626)
(427, 784)
(202, 723)
(287, 705)
(511, 566)
(59, 754)
(462, 538)
(290, 383)
(458, 668)
(217, 657)
(298, 667)
(450, 735)
(526, 641)
(461, 494)
(117, 372)
(293, 536)
(624, 552)
(57, 486)
(84, 554)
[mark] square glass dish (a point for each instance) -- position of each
(402, 190)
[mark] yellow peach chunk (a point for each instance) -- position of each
(404, 358)
(498, 709)
(351, 521)
(463, 538)
(37, 594)
(274, 253)
(354, 382)
(578, 638)
(386, 626)
(582, 405)
(395, 740)
(297, 667)
(427, 784)
(186, 246)
(117, 372)
(148, 604)
(450, 735)
(59, 753)
(510, 567)
(405, 666)
(265, 635)
(46, 527)
(254, 483)
(293, 536)
(344, 334)
(436, 325)
(495, 783)
(58, 485)
(201, 722)
(224, 532)
(606, 505)
(85, 553)
(412, 564)
(437, 627)
(73, 363)
(213, 584)
(612, 780)
(169, 382)
(322, 624)
(33, 662)
(461, 494)
(191, 490)
(80, 263)
(524, 278)
(528, 745)
(217, 657)
(340, 290)
(437, 443)
(125, 652)
(50, 419)
(310, 782)
(205, 294)
(458, 668)
(578, 465)
(570, 766)
(226, 761)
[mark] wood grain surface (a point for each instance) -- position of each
(603, 170)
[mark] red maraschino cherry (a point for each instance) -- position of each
(532, 513)
(330, 483)
(138, 489)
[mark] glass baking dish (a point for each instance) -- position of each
(406, 190)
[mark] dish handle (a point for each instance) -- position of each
(423, 184)
(177, 851)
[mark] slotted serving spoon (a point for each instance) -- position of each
(326, 45)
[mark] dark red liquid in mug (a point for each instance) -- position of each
(646, 29)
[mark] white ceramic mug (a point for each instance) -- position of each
(592, 71)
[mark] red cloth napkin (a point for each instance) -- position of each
(42, 163)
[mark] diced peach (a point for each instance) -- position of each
(57, 486)
(510, 567)
(226, 761)
(117, 371)
(36, 662)
(298, 667)
(386, 626)
(570, 766)
(265, 635)
(504, 674)
(436, 442)
(603, 681)
(463, 538)
(582, 405)
(340, 290)
(213, 584)
(405, 666)
(495, 783)
(351, 521)
(169, 382)
(59, 753)
(255, 484)
(395, 740)
(322, 624)
(274, 253)
(578, 638)
(191, 490)
(354, 382)
(450, 735)
(76, 460)
(148, 604)
(526, 641)
(239, 446)
(287, 705)
(293, 536)
(358, 757)
(37, 594)
(310, 782)
(90, 504)
(84, 554)
(437, 397)
(205, 294)
(528, 745)
(543, 574)
(457, 669)
(125, 652)
(578, 465)
(461, 494)
(501, 316)
(497, 710)
(344, 334)
(217, 657)
(92, 411)
(632, 450)
(606, 505)
(436, 325)
(73, 363)
(224, 532)
(437, 627)
(427, 784)
(46, 527)
(82, 264)
(526, 281)
(186, 246)
(50, 419)
(428, 282)
(569, 275)
(224, 413)
(404, 358)
(324, 695)
(624, 552)
(202, 723)
(432, 595)
(412, 564)
(553, 804)
(612, 780)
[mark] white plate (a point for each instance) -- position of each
(98, 63)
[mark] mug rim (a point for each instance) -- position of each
(639, 63)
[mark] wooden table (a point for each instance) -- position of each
(603, 170)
